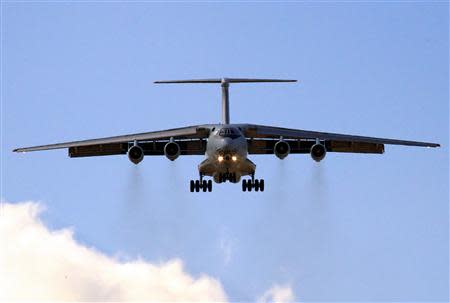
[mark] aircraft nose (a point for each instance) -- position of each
(225, 143)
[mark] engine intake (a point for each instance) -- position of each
(318, 152)
(172, 150)
(136, 154)
(281, 149)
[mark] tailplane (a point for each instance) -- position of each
(225, 84)
(224, 80)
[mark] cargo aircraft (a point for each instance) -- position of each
(226, 145)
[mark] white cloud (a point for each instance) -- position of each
(278, 293)
(39, 264)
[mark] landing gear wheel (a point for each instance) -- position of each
(204, 186)
(192, 187)
(249, 185)
(197, 185)
(209, 185)
(256, 185)
(244, 185)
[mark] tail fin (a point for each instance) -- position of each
(225, 84)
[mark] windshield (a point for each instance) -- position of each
(229, 133)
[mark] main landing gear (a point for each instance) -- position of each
(257, 184)
(201, 185)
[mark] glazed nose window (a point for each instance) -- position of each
(229, 133)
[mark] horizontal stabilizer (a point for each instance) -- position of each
(225, 83)
(224, 80)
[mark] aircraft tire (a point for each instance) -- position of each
(204, 186)
(197, 186)
(209, 185)
(261, 184)
(249, 185)
(256, 185)
(192, 187)
(244, 185)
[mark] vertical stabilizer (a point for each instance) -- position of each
(225, 102)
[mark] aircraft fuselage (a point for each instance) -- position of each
(226, 155)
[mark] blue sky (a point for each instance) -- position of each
(353, 227)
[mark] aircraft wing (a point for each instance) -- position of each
(190, 139)
(262, 139)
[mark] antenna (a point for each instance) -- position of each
(225, 84)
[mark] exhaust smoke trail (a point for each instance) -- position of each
(176, 209)
(135, 191)
(318, 183)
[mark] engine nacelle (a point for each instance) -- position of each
(281, 149)
(136, 154)
(172, 150)
(318, 152)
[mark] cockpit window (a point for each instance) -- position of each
(229, 133)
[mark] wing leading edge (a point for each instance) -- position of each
(262, 138)
(114, 145)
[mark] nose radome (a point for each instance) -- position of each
(225, 143)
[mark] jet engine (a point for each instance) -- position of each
(172, 150)
(136, 154)
(281, 149)
(318, 152)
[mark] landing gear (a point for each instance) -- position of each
(204, 185)
(227, 177)
(256, 184)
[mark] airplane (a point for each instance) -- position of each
(226, 145)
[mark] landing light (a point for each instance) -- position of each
(234, 158)
(220, 158)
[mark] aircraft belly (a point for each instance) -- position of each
(210, 167)
(220, 152)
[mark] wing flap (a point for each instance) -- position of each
(98, 150)
(262, 131)
(187, 147)
(354, 147)
(266, 146)
(155, 148)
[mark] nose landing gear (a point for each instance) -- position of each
(227, 177)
